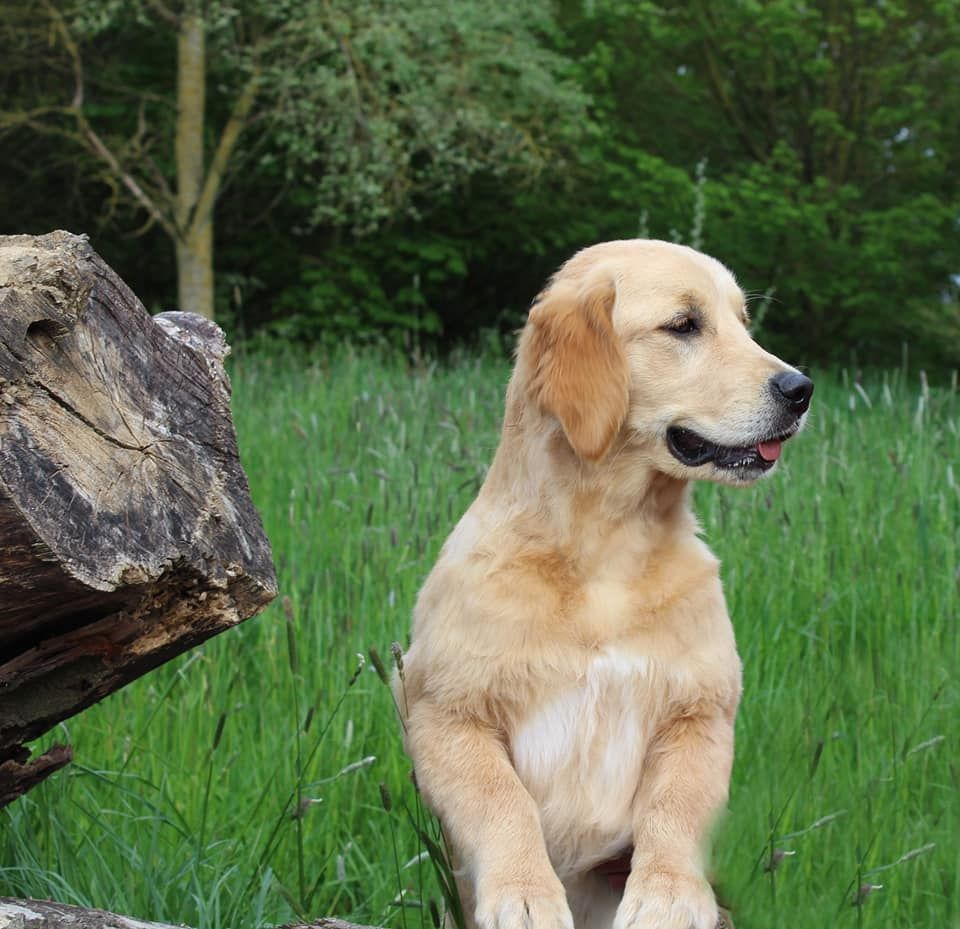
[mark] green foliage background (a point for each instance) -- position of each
(426, 195)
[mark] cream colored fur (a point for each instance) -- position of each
(572, 682)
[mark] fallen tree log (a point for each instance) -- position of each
(40, 914)
(127, 533)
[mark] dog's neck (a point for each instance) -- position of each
(592, 509)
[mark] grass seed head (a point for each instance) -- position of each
(221, 722)
(397, 652)
(377, 663)
(361, 663)
(864, 891)
(776, 857)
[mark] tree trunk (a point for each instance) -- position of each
(41, 914)
(194, 227)
(128, 532)
(195, 270)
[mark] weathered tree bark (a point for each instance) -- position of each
(127, 533)
(40, 914)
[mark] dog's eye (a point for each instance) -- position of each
(683, 325)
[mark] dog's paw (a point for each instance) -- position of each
(526, 905)
(658, 899)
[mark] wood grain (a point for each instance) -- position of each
(128, 530)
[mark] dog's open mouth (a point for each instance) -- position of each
(694, 450)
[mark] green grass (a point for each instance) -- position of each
(239, 785)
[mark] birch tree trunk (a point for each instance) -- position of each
(195, 271)
(194, 220)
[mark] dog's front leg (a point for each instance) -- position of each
(684, 786)
(466, 776)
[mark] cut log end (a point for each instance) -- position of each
(129, 531)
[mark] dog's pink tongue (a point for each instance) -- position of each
(769, 451)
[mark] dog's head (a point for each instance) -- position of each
(643, 346)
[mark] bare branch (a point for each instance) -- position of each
(87, 132)
(140, 135)
(34, 119)
(105, 176)
(158, 178)
(228, 141)
(248, 155)
(73, 50)
(271, 203)
(127, 179)
(164, 12)
(149, 223)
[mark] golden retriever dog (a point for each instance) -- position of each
(571, 685)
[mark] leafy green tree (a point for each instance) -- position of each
(366, 110)
(424, 165)
(832, 144)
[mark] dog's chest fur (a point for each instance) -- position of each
(580, 756)
(581, 748)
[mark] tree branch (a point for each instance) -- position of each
(90, 136)
(34, 119)
(128, 180)
(228, 141)
(164, 12)
(17, 775)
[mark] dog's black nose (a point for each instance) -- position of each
(794, 388)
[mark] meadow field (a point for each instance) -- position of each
(240, 786)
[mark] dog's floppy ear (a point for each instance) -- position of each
(578, 368)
